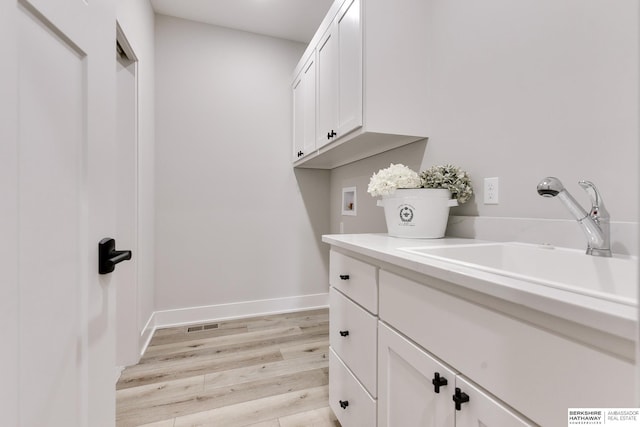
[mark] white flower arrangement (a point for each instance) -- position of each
(386, 181)
(450, 177)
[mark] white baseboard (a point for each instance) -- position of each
(119, 370)
(236, 310)
(147, 333)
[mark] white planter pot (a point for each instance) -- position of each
(419, 213)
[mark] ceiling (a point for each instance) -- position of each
(288, 19)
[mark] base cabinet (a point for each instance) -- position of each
(445, 360)
(535, 371)
(417, 390)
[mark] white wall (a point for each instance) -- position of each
(523, 90)
(232, 223)
(136, 18)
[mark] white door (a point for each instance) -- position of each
(407, 395)
(57, 203)
(483, 410)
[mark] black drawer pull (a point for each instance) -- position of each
(344, 333)
(344, 404)
(459, 398)
(344, 277)
(438, 382)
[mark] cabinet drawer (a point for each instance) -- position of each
(344, 390)
(535, 371)
(352, 334)
(356, 279)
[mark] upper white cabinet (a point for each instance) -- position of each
(370, 83)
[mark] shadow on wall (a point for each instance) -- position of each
(313, 185)
(370, 217)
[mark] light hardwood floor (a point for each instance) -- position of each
(268, 371)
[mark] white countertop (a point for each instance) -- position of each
(607, 316)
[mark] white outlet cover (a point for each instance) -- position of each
(491, 191)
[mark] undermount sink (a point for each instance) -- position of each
(614, 279)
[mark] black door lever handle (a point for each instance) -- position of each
(108, 257)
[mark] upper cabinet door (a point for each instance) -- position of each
(327, 88)
(349, 30)
(309, 105)
(304, 110)
(298, 117)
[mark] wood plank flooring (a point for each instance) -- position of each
(268, 371)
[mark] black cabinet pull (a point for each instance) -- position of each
(331, 134)
(459, 398)
(438, 382)
(108, 257)
(300, 153)
(328, 135)
(344, 333)
(344, 277)
(344, 404)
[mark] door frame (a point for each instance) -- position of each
(127, 296)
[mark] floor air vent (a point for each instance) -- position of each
(202, 327)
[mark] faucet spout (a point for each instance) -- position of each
(594, 224)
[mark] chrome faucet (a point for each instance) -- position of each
(594, 224)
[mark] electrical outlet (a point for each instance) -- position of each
(491, 187)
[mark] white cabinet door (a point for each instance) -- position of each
(340, 76)
(349, 33)
(60, 200)
(298, 117)
(327, 88)
(407, 378)
(309, 106)
(484, 410)
(304, 110)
